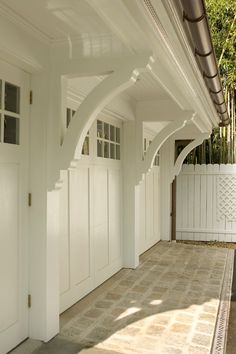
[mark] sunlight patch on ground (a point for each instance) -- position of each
(128, 312)
(156, 302)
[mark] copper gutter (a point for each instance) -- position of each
(195, 17)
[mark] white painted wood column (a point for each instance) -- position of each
(167, 155)
(131, 198)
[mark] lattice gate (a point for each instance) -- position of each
(206, 203)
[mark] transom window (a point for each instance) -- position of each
(85, 148)
(108, 141)
(157, 159)
(146, 144)
(9, 113)
(69, 115)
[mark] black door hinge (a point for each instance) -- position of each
(29, 301)
(31, 97)
(29, 199)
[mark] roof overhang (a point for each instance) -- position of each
(195, 21)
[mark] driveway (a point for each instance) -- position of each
(176, 301)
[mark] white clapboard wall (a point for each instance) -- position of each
(206, 203)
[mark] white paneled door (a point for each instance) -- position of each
(91, 229)
(91, 214)
(14, 106)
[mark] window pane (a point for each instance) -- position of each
(117, 152)
(99, 129)
(118, 135)
(106, 131)
(99, 148)
(73, 112)
(106, 149)
(68, 117)
(85, 149)
(156, 162)
(112, 151)
(112, 133)
(11, 130)
(12, 98)
(0, 94)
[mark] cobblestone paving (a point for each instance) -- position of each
(168, 305)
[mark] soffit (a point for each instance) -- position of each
(60, 20)
(98, 31)
(146, 88)
(155, 126)
(84, 85)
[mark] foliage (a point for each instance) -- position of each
(220, 148)
(222, 21)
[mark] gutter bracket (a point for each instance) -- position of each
(193, 20)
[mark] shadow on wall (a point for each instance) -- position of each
(144, 302)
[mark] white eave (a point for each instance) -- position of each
(120, 28)
(182, 62)
(158, 27)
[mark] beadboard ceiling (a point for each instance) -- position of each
(68, 20)
(147, 88)
(59, 20)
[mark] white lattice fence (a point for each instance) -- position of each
(206, 203)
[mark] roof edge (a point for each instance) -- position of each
(196, 23)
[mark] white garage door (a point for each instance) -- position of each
(91, 230)
(14, 104)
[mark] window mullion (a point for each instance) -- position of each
(2, 111)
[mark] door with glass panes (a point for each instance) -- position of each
(14, 152)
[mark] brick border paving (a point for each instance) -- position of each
(221, 330)
(231, 337)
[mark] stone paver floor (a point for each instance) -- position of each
(169, 304)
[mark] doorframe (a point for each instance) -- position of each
(173, 210)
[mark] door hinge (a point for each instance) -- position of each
(29, 301)
(31, 97)
(29, 199)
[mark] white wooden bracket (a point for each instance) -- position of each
(99, 97)
(120, 79)
(180, 159)
(159, 140)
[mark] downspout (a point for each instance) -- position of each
(195, 18)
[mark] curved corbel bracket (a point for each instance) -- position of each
(96, 100)
(120, 79)
(180, 159)
(158, 141)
